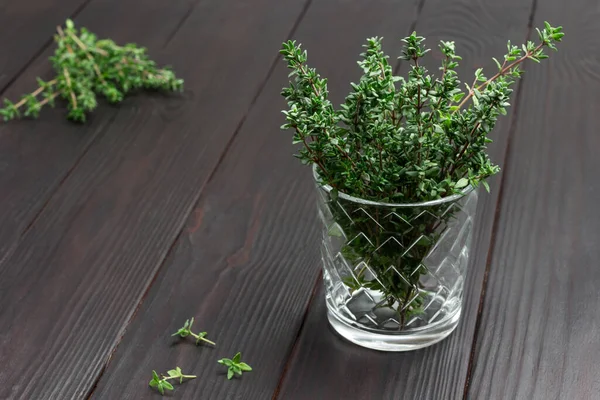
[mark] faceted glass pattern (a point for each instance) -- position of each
(394, 273)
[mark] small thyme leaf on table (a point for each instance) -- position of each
(235, 365)
(161, 383)
(186, 330)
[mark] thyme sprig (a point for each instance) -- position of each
(87, 66)
(186, 330)
(161, 383)
(235, 365)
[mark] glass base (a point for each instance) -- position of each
(405, 341)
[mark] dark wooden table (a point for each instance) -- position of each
(167, 207)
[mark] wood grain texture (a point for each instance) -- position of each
(26, 28)
(246, 265)
(539, 333)
(37, 155)
(480, 30)
(79, 272)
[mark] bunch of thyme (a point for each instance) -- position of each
(399, 140)
(86, 66)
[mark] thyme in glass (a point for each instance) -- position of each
(400, 140)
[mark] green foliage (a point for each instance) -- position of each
(162, 383)
(235, 365)
(186, 330)
(399, 139)
(86, 66)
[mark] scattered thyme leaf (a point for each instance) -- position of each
(162, 383)
(235, 365)
(186, 330)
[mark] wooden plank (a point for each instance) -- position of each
(325, 366)
(247, 262)
(36, 156)
(70, 286)
(539, 332)
(26, 28)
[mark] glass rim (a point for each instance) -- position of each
(366, 202)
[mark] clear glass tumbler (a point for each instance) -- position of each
(394, 273)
